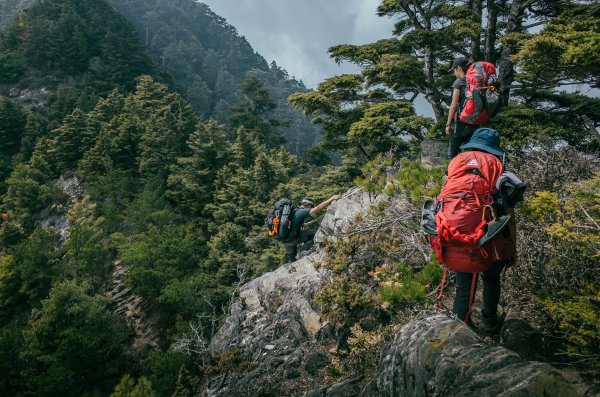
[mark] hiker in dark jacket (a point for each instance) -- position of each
(486, 140)
(303, 236)
(459, 132)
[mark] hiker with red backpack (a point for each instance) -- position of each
(471, 224)
(285, 223)
(475, 99)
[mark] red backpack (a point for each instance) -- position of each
(465, 205)
(482, 99)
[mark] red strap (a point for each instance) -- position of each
(449, 233)
(439, 298)
(472, 295)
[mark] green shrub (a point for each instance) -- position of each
(576, 316)
(345, 301)
(416, 181)
(399, 285)
(409, 177)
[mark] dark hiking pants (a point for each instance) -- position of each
(462, 134)
(291, 247)
(491, 291)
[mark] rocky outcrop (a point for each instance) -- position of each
(276, 323)
(133, 309)
(126, 304)
(274, 309)
(440, 356)
(73, 192)
(276, 330)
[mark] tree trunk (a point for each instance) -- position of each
(430, 93)
(476, 41)
(507, 73)
(490, 32)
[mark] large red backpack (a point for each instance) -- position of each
(465, 205)
(482, 100)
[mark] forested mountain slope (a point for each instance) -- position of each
(209, 60)
(126, 206)
(169, 206)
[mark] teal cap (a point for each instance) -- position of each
(486, 139)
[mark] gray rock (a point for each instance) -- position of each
(434, 152)
(518, 335)
(275, 306)
(346, 388)
(341, 213)
(315, 361)
(440, 356)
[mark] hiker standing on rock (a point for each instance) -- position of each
(459, 132)
(474, 230)
(303, 236)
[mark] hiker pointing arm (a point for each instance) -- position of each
(301, 236)
(325, 204)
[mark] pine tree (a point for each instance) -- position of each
(84, 256)
(67, 143)
(74, 337)
(191, 183)
(13, 120)
(252, 112)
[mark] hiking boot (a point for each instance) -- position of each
(490, 323)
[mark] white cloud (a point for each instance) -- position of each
(296, 34)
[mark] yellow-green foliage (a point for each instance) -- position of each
(375, 176)
(343, 300)
(231, 360)
(399, 285)
(543, 206)
(412, 179)
(577, 316)
(573, 219)
(362, 355)
(416, 181)
(579, 220)
(128, 387)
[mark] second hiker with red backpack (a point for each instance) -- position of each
(471, 223)
(475, 99)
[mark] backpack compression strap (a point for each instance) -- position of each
(448, 232)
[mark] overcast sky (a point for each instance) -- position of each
(297, 33)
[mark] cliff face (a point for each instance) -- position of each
(277, 328)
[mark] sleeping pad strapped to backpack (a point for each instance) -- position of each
(279, 219)
(482, 98)
(465, 206)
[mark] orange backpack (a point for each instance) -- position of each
(465, 205)
(482, 99)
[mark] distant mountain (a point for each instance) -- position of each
(209, 60)
(8, 9)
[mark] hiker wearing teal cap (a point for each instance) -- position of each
(485, 140)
